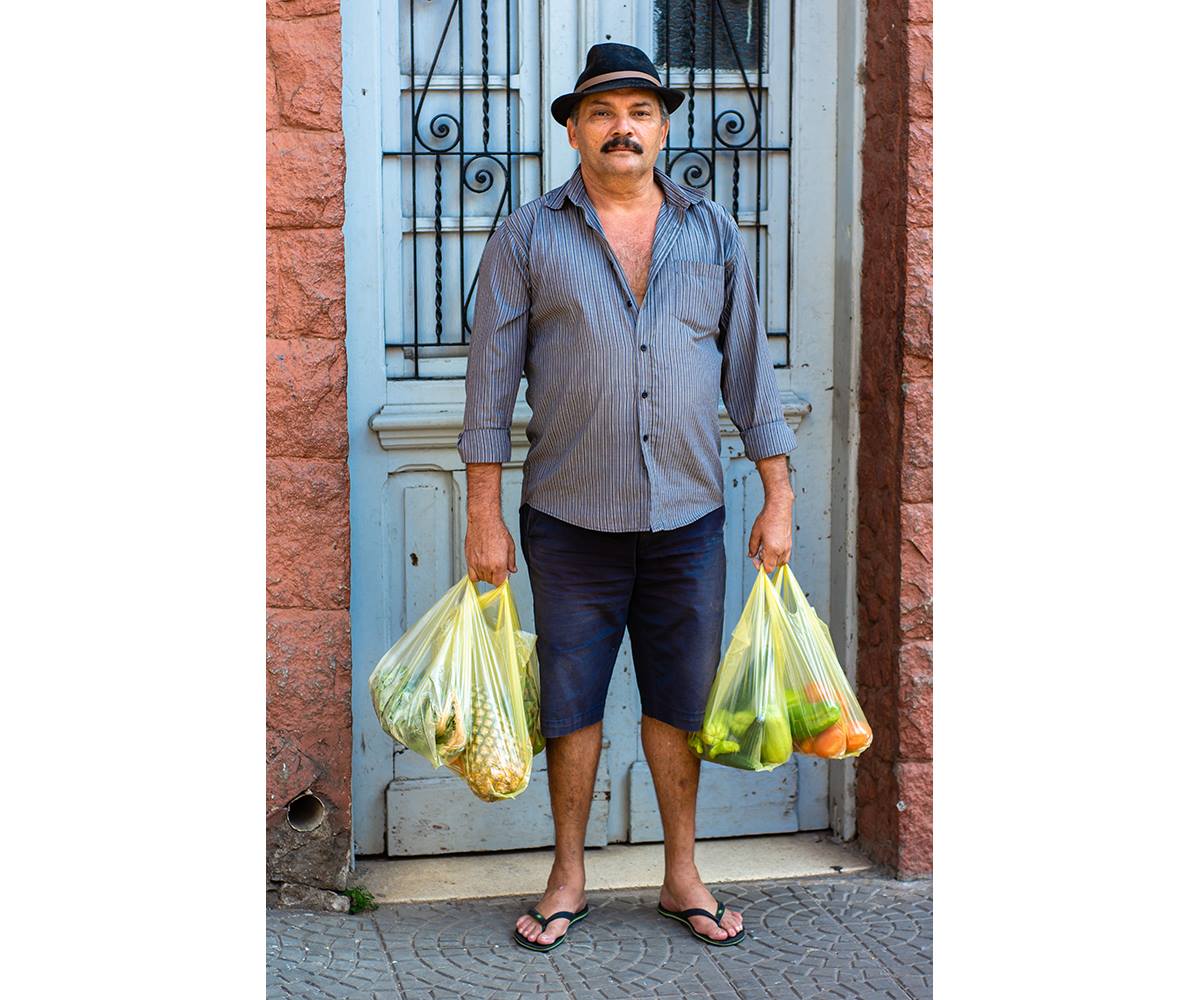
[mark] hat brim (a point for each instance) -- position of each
(560, 107)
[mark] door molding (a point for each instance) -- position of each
(847, 338)
(421, 426)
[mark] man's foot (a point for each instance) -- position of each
(565, 893)
(685, 893)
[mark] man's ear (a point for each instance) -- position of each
(571, 134)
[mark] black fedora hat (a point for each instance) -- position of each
(610, 66)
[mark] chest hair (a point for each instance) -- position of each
(633, 243)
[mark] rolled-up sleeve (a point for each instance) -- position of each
(497, 354)
(748, 384)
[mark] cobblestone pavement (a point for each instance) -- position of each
(860, 936)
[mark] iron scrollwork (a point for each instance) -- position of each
(734, 33)
(736, 42)
(458, 173)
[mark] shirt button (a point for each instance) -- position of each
(645, 394)
(645, 437)
(643, 347)
(629, 302)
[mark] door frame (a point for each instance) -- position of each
(847, 340)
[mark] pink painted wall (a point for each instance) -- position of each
(895, 518)
(308, 482)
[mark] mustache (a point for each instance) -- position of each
(620, 142)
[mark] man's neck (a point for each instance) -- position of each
(626, 195)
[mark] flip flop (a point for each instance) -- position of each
(695, 911)
(524, 942)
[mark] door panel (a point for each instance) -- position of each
(433, 814)
(729, 802)
(446, 115)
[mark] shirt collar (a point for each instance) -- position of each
(574, 189)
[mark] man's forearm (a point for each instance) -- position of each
(483, 491)
(773, 471)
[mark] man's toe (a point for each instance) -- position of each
(553, 935)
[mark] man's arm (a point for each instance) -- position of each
(483, 490)
(494, 365)
(497, 354)
(751, 396)
(773, 472)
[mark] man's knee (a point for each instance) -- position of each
(668, 724)
(574, 731)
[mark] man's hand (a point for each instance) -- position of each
(771, 536)
(491, 554)
(489, 548)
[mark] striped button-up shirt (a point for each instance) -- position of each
(624, 433)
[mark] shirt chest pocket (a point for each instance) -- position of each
(698, 295)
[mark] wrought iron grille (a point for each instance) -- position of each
(459, 158)
(724, 43)
(461, 155)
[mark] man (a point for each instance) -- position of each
(630, 305)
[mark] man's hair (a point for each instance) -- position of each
(662, 109)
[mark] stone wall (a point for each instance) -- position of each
(895, 480)
(308, 483)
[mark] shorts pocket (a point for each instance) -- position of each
(714, 520)
(528, 520)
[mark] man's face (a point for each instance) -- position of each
(619, 132)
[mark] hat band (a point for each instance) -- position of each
(616, 75)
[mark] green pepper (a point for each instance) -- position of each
(777, 739)
(741, 720)
(809, 719)
(715, 727)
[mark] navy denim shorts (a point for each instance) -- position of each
(667, 587)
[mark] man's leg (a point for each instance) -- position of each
(676, 774)
(571, 763)
(581, 582)
(675, 624)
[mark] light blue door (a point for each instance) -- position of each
(448, 130)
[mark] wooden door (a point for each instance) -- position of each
(447, 130)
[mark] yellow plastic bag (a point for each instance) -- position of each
(779, 687)
(823, 682)
(461, 689)
(745, 719)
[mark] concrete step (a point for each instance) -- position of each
(617, 866)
